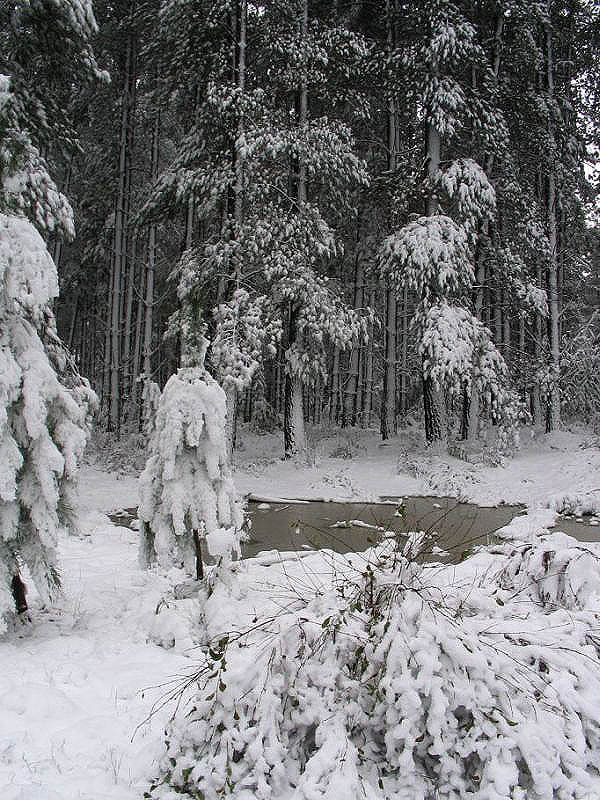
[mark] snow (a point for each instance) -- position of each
(547, 469)
(71, 681)
(479, 678)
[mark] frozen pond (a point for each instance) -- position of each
(346, 527)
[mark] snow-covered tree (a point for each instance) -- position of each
(434, 256)
(186, 490)
(247, 166)
(44, 403)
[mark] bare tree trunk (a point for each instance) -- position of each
(522, 354)
(58, 243)
(367, 407)
(335, 386)
(506, 330)
(106, 349)
(388, 425)
(351, 402)
(538, 350)
(127, 355)
(293, 407)
(239, 70)
(431, 403)
(137, 350)
(472, 404)
(553, 407)
(73, 322)
(293, 416)
(388, 400)
(404, 353)
(151, 264)
(119, 243)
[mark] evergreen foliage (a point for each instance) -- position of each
(44, 404)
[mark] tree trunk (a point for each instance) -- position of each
(239, 70)
(137, 351)
(351, 404)
(404, 353)
(431, 401)
(119, 242)
(472, 404)
(127, 355)
(334, 398)
(151, 264)
(388, 400)
(388, 425)
(294, 433)
(553, 406)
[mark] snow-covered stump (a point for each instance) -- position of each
(186, 490)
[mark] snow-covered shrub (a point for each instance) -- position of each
(372, 677)
(186, 489)
(555, 571)
(578, 503)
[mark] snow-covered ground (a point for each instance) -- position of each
(547, 469)
(546, 466)
(71, 682)
(72, 722)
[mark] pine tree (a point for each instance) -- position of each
(247, 166)
(44, 403)
(433, 256)
(186, 490)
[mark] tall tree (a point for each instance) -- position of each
(44, 404)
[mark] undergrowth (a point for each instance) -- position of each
(373, 676)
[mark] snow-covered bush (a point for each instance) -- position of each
(186, 489)
(579, 503)
(369, 676)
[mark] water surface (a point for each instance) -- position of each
(349, 527)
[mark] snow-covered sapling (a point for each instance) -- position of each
(186, 490)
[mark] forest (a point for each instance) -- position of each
(299, 400)
(355, 202)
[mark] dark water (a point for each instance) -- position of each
(455, 527)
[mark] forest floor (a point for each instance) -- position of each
(355, 465)
(75, 683)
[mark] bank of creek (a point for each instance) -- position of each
(344, 527)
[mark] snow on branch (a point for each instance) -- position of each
(430, 256)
